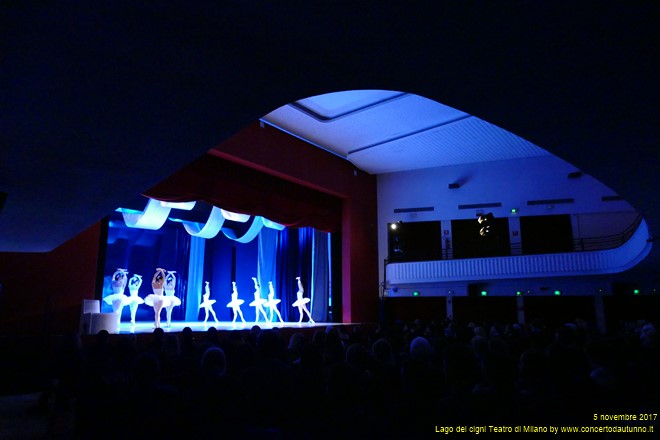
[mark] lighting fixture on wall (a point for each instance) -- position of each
(486, 221)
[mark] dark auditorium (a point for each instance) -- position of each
(304, 220)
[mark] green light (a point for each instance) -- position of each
(518, 293)
(636, 292)
(514, 210)
(557, 292)
(415, 293)
(484, 293)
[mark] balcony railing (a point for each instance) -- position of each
(608, 241)
(587, 262)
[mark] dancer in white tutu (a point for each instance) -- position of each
(134, 299)
(301, 303)
(235, 304)
(207, 304)
(258, 302)
(117, 300)
(171, 300)
(272, 302)
(156, 299)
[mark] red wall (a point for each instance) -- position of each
(42, 292)
(277, 153)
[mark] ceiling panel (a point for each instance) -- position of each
(335, 105)
(469, 140)
(384, 121)
(384, 131)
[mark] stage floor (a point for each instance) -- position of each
(198, 326)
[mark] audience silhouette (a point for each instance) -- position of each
(391, 381)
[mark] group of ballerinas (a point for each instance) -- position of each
(271, 303)
(165, 281)
(118, 300)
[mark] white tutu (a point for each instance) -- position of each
(114, 297)
(133, 299)
(273, 302)
(207, 303)
(258, 302)
(171, 301)
(235, 303)
(152, 299)
(300, 302)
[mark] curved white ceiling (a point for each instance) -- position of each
(386, 131)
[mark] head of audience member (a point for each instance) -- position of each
(269, 345)
(420, 349)
(213, 362)
(357, 356)
(382, 350)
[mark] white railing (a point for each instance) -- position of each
(525, 266)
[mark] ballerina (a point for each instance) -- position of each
(171, 300)
(207, 304)
(117, 300)
(134, 300)
(272, 302)
(258, 302)
(156, 299)
(235, 303)
(301, 303)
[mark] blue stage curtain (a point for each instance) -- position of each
(286, 270)
(227, 260)
(267, 260)
(181, 253)
(303, 252)
(320, 280)
(195, 278)
(305, 263)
